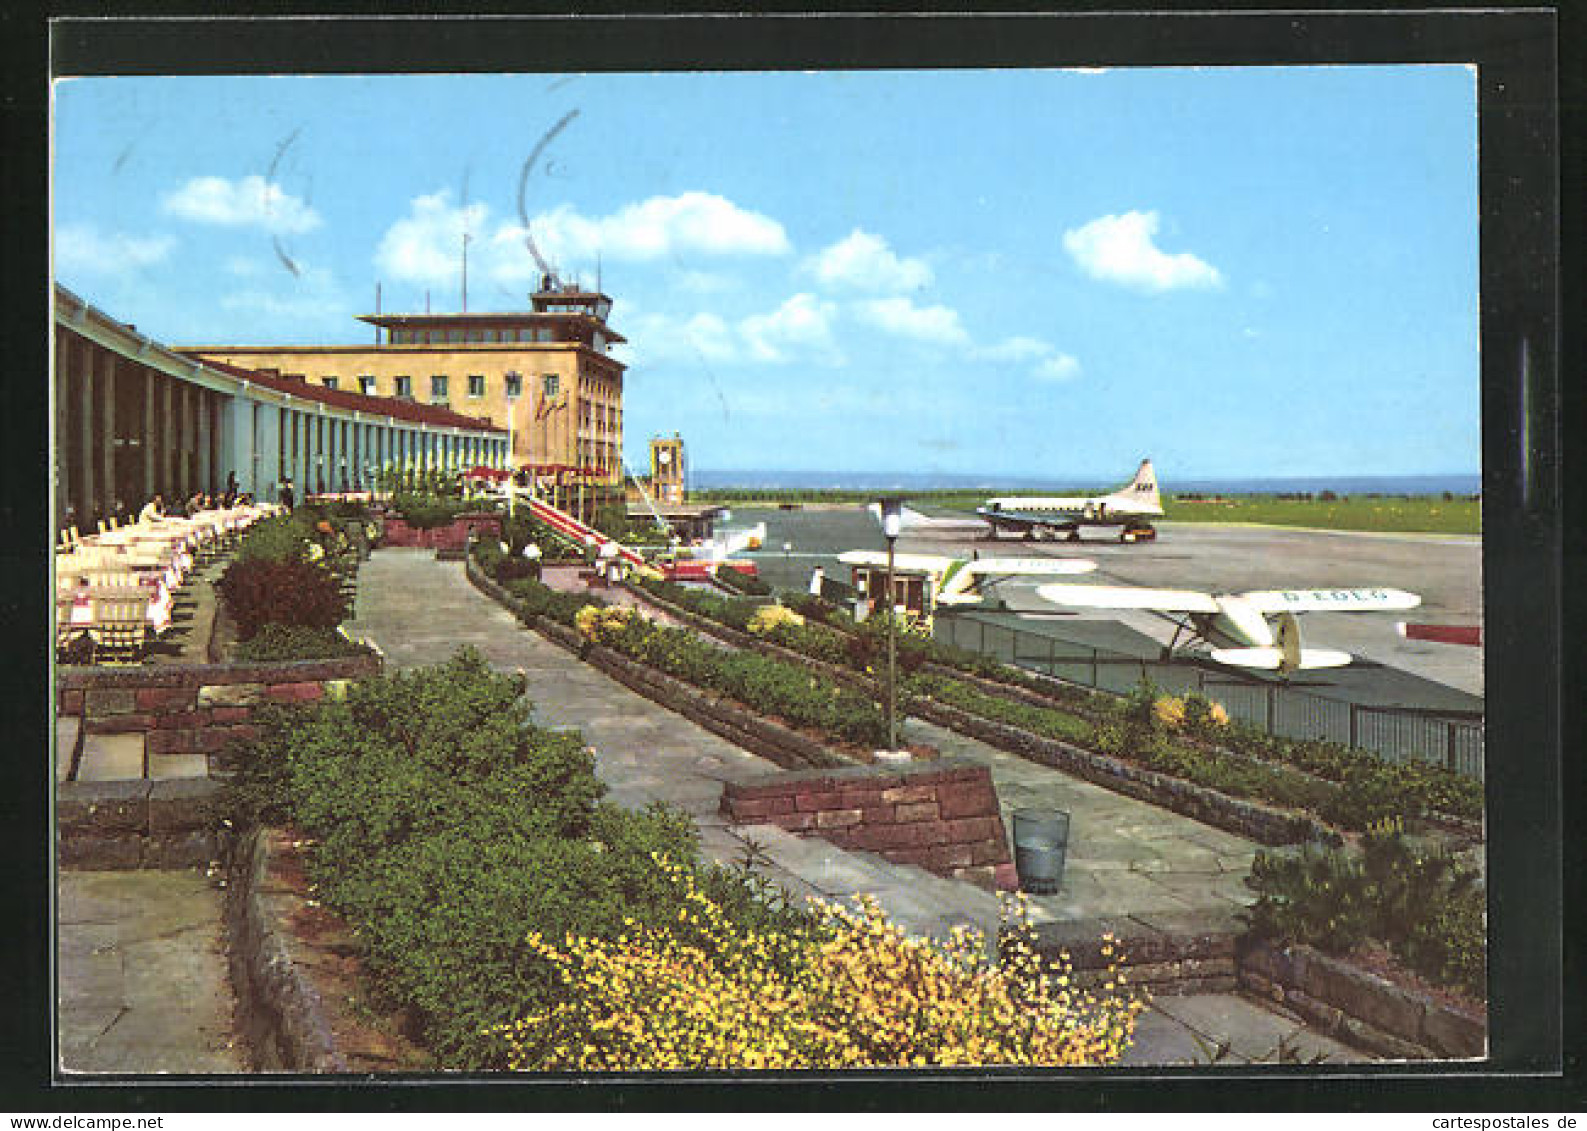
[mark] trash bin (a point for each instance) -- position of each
(1041, 841)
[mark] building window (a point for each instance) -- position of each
(514, 385)
(402, 386)
(549, 384)
(328, 382)
(438, 389)
(366, 385)
(476, 385)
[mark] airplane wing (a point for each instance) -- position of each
(1028, 567)
(1331, 600)
(1273, 659)
(1128, 597)
(921, 563)
(1061, 519)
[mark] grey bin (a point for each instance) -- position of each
(1041, 841)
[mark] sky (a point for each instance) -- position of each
(1016, 273)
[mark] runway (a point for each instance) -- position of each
(1445, 570)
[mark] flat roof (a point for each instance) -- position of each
(523, 317)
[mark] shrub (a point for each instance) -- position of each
(261, 591)
(425, 512)
(279, 538)
(854, 991)
(769, 618)
(1425, 907)
(296, 642)
(742, 582)
(537, 600)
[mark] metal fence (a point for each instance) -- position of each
(1397, 734)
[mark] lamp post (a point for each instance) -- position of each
(892, 520)
(513, 377)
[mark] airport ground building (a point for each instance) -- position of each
(544, 375)
(133, 418)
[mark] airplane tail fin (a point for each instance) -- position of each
(1142, 490)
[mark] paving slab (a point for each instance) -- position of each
(111, 757)
(141, 976)
(165, 767)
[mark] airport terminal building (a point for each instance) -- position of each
(544, 375)
(134, 418)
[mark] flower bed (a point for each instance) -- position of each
(1183, 737)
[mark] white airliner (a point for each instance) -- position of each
(957, 581)
(1237, 624)
(1130, 508)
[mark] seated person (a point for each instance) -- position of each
(153, 510)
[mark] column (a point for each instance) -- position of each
(107, 452)
(170, 448)
(206, 436)
(86, 453)
(148, 437)
(233, 431)
(63, 439)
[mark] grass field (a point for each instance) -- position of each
(1432, 514)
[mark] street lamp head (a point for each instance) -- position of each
(892, 512)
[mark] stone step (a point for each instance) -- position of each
(111, 757)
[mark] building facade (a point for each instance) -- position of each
(133, 419)
(545, 375)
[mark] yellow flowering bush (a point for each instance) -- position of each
(856, 991)
(600, 625)
(1170, 711)
(769, 618)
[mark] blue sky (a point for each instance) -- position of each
(1254, 271)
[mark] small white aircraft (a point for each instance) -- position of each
(1130, 508)
(1237, 624)
(957, 581)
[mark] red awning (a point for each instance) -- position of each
(495, 474)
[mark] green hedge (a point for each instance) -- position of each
(295, 642)
(446, 827)
(769, 686)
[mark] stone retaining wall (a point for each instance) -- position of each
(118, 825)
(724, 717)
(454, 536)
(281, 1014)
(1171, 958)
(1357, 1006)
(942, 816)
(188, 709)
(1253, 820)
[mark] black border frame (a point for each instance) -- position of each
(1524, 533)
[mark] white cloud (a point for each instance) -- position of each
(801, 326)
(865, 262)
(82, 249)
(249, 202)
(693, 223)
(1058, 367)
(425, 246)
(1119, 249)
(656, 338)
(1046, 361)
(937, 325)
